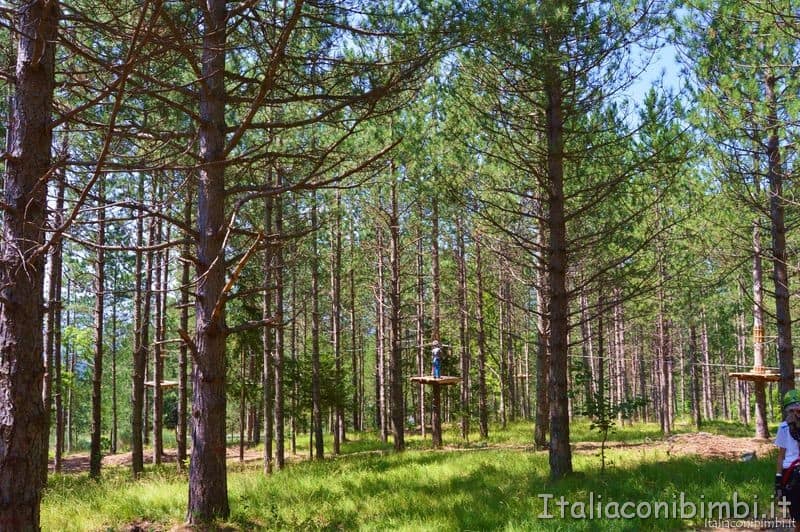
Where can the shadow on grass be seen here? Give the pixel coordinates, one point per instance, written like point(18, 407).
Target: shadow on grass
point(499, 490)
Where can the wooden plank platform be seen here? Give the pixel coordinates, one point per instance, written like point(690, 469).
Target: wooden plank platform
point(759, 375)
point(755, 377)
point(164, 384)
point(444, 380)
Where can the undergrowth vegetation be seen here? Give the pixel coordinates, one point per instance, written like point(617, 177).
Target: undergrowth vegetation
point(500, 484)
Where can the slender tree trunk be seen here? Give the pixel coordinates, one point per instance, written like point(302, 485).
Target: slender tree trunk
point(139, 348)
point(502, 339)
point(380, 340)
point(356, 367)
point(23, 418)
point(436, 273)
point(208, 487)
point(420, 327)
point(619, 351)
point(158, 358)
point(336, 322)
point(146, 311)
point(463, 328)
point(695, 378)
point(396, 361)
point(508, 349)
point(114, 400)
point(242, 401)
point(295, 366)
point(316, 377)
point(483, 407)
point(99, 315)
point(560, 451)
point(183, 353)
point(762, 428)
point(708, 407)
point(587, 347)
point(780, 265)
point(278, 406)
point(268, 336)
point(70, 361)
point(57, 272)
point(542, 417)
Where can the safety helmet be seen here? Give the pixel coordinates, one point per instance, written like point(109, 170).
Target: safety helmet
point(792, 396)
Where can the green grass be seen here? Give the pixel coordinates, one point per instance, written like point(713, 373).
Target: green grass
point(479, 488)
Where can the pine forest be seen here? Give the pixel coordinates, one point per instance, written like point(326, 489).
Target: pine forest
point(393, 264)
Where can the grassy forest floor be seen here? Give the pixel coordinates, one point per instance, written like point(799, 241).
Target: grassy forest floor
point(500, 484)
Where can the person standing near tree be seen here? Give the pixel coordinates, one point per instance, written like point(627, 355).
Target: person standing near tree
point(436, 351)
point(787, 475)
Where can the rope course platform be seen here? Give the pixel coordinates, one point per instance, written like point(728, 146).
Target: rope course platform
point(759, 374)
point(436, 412)
point(164, 384)
point(444, 380)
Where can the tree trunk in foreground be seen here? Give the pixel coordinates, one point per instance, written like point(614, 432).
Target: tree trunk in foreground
point(208, 484)
point(560, 452)
point(23, 419)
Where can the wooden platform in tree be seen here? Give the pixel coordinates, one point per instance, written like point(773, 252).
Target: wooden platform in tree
point(444, 380)
point(759, 374)
point(164, 384)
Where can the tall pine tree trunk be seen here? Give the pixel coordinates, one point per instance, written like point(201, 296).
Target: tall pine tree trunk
point(208, 485)
point(158, 359)
point(420, 327)
point(278, 274)
point(396, 359)
point(483, 406)
point(560, 451)
point(183, 353)
point(356, 368)
point(268, 336)
point(23, 418)
point(780, 267)
point(336, 322)
point(99, 315)
point(57, 273)
point(380, 346)
point(316, 376)
point(137, 375)
point(759, 389)
point(463, 328)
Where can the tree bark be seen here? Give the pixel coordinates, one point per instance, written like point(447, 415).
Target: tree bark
point(316, 377)
point(396, 366)
point(780, 268)
point(23, 418)
point(420, 327)
point(463, 328)
point(99, 315)
point(708, 407)
point(268, 336)
point(158, 359)
point(380, 346)
point(114, 399)
point(695, 378)
point(560, 453)
point(280, 447)
point(58, 306)
point(357, 369)
point(336, 322)
point(139, 349)
point(208, 486)
point(762, 428)
point(183, 353)
point(483, 407)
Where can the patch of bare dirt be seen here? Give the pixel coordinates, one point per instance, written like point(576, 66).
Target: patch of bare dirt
point(717, 446)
